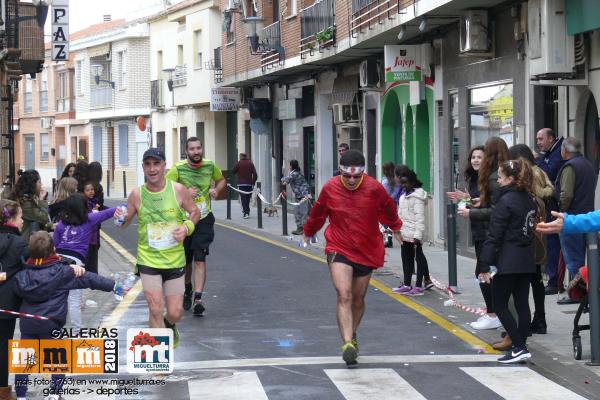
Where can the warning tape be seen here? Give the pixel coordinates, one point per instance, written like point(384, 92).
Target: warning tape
point(452, 302)
point(262, 198)
point(18, 314)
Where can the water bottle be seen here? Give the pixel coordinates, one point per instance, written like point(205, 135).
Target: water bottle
point(121, 220)
point(129, 281)
point(493, 271)
point(118, 291)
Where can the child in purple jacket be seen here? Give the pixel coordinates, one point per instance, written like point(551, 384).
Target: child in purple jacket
point(72, 237)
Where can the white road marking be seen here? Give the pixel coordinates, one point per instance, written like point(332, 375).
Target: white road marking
point(380, 384)
point(261, 362)
point(520, 383)
point(238, 386)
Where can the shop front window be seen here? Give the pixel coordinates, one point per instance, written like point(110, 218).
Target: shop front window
point(491, 113)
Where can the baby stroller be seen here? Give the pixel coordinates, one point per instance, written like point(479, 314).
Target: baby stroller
point(578, 289)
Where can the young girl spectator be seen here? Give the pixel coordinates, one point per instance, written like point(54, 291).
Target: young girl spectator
point(399, 171)
point(509, 246)
point(68, 171)
point(44, 284)
point(66, 187)
point(95, 176)
point(31, 196)
point(91, 261)
point(72, 239)
point(81, 174)
point(411, 210)
point(495, 152)
point(12, 250)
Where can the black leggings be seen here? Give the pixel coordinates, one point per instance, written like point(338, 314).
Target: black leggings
point(516, 285)
point(538, 291)
point(7, 330)
point(407, 251)
point(486, 288)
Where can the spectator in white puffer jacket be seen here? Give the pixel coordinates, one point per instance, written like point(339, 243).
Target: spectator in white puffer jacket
point(411, 210)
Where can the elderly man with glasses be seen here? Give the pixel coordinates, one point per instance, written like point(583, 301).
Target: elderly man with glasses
point(355, 204)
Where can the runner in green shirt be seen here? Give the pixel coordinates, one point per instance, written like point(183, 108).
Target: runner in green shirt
point(162, 227)
point(197, 174)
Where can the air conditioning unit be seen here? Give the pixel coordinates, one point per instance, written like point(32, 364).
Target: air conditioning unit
point(46, 123)
point(474, 32)
point(551, 51)
point(369, 74)
point(345, 113)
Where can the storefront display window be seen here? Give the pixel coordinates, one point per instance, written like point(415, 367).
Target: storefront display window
point(491, 113)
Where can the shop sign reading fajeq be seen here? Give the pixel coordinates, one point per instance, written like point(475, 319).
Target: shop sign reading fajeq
point(402, 63)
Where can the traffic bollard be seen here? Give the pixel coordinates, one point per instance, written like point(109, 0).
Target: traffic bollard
point(53, 186)
point(259, 207)
point(124, 185)
point(451, 241)
point(107, 183)
point(284, 213)
point(229, 190)
point(594, 296)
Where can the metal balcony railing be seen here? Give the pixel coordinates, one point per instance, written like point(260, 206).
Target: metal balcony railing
point(271, 41)
point(367, 13)
point(180, 75)
point(156, 96)
point(272, 35)
point(101, 97)
point(316, 20)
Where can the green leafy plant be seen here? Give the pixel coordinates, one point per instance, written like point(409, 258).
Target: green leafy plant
point(310, 45)
point(325, 35)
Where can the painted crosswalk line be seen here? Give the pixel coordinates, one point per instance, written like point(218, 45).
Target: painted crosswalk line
point(239, 385)
point(520, 383)
point(380, 384)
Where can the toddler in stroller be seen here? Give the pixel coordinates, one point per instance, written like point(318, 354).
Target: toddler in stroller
point(578, 289)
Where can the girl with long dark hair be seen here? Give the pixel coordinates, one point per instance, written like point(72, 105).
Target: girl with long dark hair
point(31, 196)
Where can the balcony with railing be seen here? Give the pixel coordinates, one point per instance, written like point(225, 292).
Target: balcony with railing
point(317, 27)
point(156, 94)
point(180, 75)
point(271, 41)
point(368, 13)
point(101, 97)
point(215, 65)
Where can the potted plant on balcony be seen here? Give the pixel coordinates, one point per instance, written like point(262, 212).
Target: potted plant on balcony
point(324, 36)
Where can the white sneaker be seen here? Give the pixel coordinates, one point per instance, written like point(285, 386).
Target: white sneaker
point(480, 319)
point(486, 322)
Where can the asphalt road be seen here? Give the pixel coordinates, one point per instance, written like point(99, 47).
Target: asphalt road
point(269, 331)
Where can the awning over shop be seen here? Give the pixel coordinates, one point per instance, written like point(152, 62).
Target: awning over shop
point(582, 16)
point(78, 130)
point(344, 89)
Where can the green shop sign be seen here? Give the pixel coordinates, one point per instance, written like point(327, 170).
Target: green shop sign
point(402, 76)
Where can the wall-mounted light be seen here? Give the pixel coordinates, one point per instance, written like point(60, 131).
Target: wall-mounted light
point(169, 73)
point(254, 25)
point(97, 72)
point(423, 25)
point(402, 32)
point(42, 10)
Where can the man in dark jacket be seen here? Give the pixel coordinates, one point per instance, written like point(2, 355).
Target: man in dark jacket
point(550, 161)
point(44, 286)
point(246, 178)
point(575, 190)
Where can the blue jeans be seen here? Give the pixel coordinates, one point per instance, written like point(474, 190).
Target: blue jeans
point(552, 256)
point(21, 379)
point(573, 248)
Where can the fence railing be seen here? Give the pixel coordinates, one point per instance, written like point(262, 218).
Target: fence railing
point(368, 13)
point(317, 20)
point(180, 75)
point(100, 97)
point(272, 35)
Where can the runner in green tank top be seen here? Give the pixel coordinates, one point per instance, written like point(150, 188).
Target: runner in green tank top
point(162, 226)
point(197, 174)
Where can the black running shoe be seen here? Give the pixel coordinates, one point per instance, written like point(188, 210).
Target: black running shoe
point(515, 355)
point(176, 335)
point(187, 299)
point(349, 354)
point(198, 308)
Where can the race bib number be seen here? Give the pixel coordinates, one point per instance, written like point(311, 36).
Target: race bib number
point(202, 204)
point(160, 235)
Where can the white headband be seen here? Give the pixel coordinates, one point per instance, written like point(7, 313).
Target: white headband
point(352, 170)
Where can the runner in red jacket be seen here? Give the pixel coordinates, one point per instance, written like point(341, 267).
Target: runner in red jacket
point(355, 204)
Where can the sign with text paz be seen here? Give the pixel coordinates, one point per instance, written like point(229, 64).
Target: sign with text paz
point(60, 30)
point(225, 99)
point(402, 63)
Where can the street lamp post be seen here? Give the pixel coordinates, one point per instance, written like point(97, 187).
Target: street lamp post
point(97, 72)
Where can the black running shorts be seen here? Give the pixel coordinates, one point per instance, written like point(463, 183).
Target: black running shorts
point(358, 270)
point(196, 246)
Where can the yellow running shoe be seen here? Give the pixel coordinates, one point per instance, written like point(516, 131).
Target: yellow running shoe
point(349, 354)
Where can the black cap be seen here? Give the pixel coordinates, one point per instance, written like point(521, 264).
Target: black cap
point(154, 152)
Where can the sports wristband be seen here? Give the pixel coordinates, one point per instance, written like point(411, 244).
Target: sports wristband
point(190, 227)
